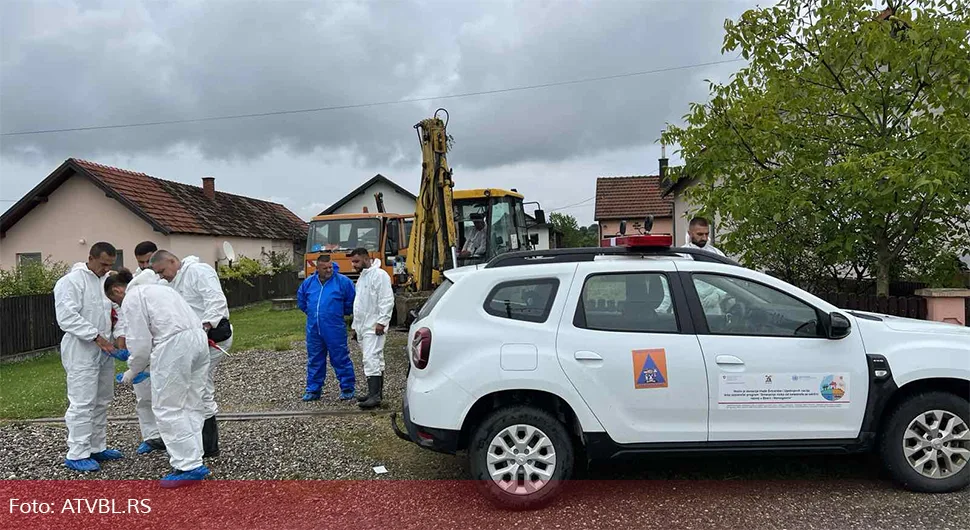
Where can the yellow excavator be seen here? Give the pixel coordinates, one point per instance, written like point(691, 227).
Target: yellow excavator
point(455, 228)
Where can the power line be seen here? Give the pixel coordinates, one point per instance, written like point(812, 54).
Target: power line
point(572, 205)
point(374, 104)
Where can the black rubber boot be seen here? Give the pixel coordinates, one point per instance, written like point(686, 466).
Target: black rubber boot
point(365, 396)
point(375, 387)
point(210, 438)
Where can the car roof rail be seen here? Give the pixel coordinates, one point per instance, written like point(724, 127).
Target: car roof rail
point(582, 254)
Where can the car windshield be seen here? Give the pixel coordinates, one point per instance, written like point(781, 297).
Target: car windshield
point(344, 234)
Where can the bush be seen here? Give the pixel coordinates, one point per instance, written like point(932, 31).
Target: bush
point(31, 278)
point(243, 269)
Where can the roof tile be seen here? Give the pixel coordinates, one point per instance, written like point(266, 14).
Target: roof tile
point(631, 198)
point(183, 208)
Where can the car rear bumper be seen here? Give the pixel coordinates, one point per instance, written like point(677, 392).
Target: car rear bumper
point(438, 440)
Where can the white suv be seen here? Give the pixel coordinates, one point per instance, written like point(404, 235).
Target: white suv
point(540, 361)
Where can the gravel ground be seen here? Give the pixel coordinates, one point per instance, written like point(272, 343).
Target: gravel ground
point(345, 447)
point(253, 381)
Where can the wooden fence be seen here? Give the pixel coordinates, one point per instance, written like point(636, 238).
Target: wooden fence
point(901, 306)
point(28, 323)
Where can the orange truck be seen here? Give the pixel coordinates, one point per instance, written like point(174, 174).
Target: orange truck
point(384, 235)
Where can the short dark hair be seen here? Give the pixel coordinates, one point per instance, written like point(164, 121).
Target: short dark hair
point(160, 255)
point(122, 277)
point(102, 247)
point(323, 258)
point(145, 247)
point(698, 221)
point(359, 251)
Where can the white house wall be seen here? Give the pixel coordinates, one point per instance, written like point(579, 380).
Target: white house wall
point(394, 202)
point(76, 215)
point(209, 248)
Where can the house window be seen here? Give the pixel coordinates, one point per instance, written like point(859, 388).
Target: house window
point(28, 257)
point(119, 260)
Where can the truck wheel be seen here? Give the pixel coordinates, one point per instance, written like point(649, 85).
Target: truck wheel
point(520, 457)
point(926, 443)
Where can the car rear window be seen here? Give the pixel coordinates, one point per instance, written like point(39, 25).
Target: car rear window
point(435, 298)
point(528, 300)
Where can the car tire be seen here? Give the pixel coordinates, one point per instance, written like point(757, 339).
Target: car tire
point(937, 409)
point(514, 423)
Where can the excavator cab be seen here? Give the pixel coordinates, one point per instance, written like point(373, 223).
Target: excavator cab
point(489, 222)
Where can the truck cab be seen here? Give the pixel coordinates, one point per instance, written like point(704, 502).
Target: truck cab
point(384, 235)
point(489, 222)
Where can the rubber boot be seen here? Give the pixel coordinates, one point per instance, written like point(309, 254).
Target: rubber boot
point(375, 387)
point(364, 397)
point(210, 438)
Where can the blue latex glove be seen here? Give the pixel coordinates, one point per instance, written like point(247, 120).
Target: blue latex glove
point(121, 355)
point(138, 378)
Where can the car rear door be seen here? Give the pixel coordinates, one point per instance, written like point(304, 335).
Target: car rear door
point(626, 344)
point(773, 373)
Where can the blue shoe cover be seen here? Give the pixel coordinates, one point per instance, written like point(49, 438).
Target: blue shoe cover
point(145, 448)
point(83, 464)
point(348, 394)
point(311, 396)
point(184, 478)
point(107, 454)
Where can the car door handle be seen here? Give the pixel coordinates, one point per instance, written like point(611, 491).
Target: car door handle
point(727, 359)
point(587, 356)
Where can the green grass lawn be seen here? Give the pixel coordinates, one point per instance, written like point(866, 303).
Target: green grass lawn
point(36, 388)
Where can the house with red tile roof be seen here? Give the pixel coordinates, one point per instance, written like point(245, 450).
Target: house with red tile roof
point(81, 203)
point(631, 199)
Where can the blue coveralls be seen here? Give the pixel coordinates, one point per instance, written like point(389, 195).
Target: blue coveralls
point(325, 305)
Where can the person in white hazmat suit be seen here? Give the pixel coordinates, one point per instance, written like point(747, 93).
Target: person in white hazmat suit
point(373, 306)
point(84, 315)
point(164, 332)
point(151, 439)
point(199, 285)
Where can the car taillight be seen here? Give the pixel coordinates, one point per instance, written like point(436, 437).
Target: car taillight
point(421, 348)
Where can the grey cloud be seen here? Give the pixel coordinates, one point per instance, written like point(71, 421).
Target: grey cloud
point(68, 65)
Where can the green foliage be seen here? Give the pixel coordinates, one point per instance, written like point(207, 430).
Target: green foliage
point(574, 235)
point(31, 278)
point(279, 262)
point(244, 269)
point(843, 148)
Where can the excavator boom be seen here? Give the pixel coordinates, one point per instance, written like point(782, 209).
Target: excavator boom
point(433, 238)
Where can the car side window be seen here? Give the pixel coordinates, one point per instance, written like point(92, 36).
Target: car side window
point(527, 300)
point(630, 302)
point(735, 306)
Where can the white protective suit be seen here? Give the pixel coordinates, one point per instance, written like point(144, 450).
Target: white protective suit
point(164, 332)
point(475, 242)
point(199, 285)
point(710, 296)
point(373, 305)
point(84, 313)
point(143, 390)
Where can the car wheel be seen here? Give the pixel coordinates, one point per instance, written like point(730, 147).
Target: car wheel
point(926, 443)
point(520, 457)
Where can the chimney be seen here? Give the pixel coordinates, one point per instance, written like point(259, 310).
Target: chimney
point(209, 187)
point(663, 162)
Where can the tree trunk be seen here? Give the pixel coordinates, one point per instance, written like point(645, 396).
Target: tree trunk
point(884, 262)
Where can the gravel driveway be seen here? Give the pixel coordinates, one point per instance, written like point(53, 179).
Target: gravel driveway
point(253, 381)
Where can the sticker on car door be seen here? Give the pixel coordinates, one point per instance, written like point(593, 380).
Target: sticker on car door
point(650, 368)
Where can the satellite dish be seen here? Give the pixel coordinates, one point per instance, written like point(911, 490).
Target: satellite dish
point(229, 252)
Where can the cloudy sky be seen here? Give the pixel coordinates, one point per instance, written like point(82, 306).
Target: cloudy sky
point(69, 64)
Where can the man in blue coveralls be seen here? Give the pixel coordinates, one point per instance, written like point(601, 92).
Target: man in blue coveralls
point(326, 297)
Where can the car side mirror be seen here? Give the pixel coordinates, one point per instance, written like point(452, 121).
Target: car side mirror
point(622, 228)
point(837, 326)
point(540, 217)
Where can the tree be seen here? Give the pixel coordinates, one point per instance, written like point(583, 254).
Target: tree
point(32, 277)
point(573, 235)
point(844, 145)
